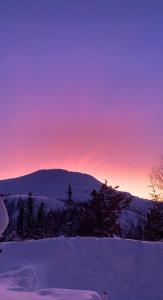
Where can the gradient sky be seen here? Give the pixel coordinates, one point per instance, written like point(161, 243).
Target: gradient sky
point(81, 88)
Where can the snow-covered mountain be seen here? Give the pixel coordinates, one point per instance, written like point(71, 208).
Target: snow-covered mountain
point(51, 183)
point(43, 269)
point(50, 187)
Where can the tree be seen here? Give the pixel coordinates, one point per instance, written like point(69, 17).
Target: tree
point(68, 229)
point(51, 223)
point(153, 229)
point(157, 175)
point(20, 226)
point(155, 196)
point(29, 228)
point(99, 217)
point(40, 223)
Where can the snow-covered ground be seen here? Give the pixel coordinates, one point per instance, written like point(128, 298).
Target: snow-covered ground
point(47, 294)
point(125, 269)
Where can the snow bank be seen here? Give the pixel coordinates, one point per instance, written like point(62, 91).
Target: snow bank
point(48, 294)
point(125, 269)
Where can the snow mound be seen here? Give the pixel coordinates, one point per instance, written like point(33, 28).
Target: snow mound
point(125, 269)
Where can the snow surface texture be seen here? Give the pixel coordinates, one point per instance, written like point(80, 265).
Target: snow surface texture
point(127, 270)
point(4, 219)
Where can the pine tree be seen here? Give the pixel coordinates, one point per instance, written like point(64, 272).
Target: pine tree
point(153, 229)
point(40, 223)
point(50, 223)
point(20, 226)
point(29, 228)
point(68, 229)
point(99, 217)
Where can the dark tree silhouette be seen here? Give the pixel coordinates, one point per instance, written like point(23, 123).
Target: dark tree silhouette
point(99, 217)
point(29, 230)
point(20, 223)
point(68, 229)
point(40, 222)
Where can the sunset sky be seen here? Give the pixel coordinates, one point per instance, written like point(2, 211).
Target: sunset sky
point(81, 88)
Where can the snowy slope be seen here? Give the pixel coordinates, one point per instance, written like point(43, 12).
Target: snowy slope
point(51, 183)
point(127, 270)
point(50, 186)
point(13, 200)
point(136, 210)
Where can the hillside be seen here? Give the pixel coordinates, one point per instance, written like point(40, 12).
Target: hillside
point(136, 211)
point(50, 187)
point(125, 269)
point(51, 183)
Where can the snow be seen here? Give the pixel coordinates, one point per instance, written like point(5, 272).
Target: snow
point(50, 187)
point(48, 294)
point(125, 269)
point(52, 183)
point(136, 210)
point(50, 202)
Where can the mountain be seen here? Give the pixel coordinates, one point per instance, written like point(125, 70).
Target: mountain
point(51, 183)
point(51, 186)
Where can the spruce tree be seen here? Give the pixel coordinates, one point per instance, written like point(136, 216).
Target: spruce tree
point(99, 217)
point(50, 223)
point(40, 222)
point(153, 230)
point(20, 222)
point(29, 218)
point(68, 221)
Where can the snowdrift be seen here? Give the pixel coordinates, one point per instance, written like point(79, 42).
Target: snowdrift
point(125, 269)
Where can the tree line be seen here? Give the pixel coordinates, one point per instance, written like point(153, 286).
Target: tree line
point(97, 217)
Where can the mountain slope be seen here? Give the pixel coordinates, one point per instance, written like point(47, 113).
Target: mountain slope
point(51, 183)
point(50, 186)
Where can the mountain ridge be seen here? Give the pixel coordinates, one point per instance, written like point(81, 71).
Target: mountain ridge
point(51, 183)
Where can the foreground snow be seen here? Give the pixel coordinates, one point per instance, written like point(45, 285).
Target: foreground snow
point(125, 269)
point(47, 294)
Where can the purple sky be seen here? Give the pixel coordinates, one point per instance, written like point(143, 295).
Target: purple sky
point(81, 85)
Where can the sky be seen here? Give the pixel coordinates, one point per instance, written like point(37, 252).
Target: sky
point(81, 88)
